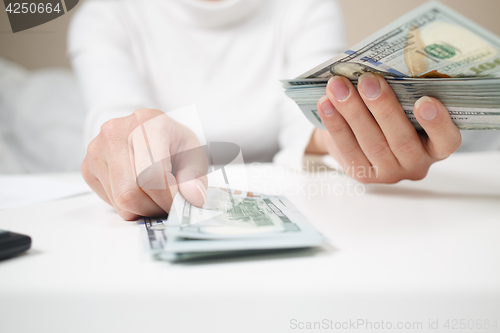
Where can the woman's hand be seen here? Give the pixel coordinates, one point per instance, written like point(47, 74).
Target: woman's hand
point(371, 137)
point(139, 162)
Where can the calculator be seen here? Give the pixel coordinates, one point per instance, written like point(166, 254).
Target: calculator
point(12, 243)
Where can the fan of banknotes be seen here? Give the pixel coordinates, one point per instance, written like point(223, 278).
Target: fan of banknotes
point(230, 223)
point(431, 51)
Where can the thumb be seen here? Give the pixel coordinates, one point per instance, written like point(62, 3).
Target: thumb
point(190, 169)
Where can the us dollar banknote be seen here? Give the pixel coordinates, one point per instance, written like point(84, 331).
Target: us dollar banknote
point(430, 41)
point(230, 223)
point(431, 51)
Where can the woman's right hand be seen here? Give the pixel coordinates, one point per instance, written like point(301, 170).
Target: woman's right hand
point(135, 164)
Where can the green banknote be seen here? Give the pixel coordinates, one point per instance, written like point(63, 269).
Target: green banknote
point(430, 41)
point(231, 222)
point(431, 51)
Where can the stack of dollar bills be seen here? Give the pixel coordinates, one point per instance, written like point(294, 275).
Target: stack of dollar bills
point(431, 51)
point(229, 223)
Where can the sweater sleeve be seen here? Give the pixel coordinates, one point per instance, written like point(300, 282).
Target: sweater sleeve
point(102, 60)
point(314, 32)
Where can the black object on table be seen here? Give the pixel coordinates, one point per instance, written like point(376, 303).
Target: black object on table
point(12, 244)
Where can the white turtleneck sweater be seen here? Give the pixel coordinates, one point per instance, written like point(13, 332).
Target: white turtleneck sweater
point(226, 57)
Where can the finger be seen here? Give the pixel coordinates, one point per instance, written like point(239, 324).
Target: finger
point(330, 146)
point(121, 183)
point(189, 164)
point(345, 144)
point(444, 138)
point(349, 104)
point(103, 189)
point(124, 214)
point(127, 198)
point(349, 170)
point(95, 172)
point(150, 142)
point(93, 182)
point(191, 167)
point(159, 184)
point(400, 134)
point(97, 187)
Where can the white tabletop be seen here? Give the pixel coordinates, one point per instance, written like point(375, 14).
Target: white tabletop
point(407, 254)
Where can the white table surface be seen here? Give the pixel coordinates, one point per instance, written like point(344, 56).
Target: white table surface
point(414, 252)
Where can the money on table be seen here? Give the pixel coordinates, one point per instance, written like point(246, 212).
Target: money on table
point(231, 222)
point(431, 51)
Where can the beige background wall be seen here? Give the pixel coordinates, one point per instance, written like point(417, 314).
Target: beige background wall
point(45, 45)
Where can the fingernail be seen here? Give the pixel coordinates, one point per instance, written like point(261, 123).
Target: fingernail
point(327, 107)
point(338, 88)
point(369, 85)
point(202, 189)
point(426, 108)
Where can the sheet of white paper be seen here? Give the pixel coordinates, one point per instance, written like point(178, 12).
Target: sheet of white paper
point(24, 190)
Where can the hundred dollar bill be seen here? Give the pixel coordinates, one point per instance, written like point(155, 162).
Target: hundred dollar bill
point(155, 239)
point(473, 103)
point(230, 214)
point(430, 41)
point(230, 223)
point(431, 51)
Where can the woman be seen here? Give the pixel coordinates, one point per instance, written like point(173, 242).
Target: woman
point(226, 57)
